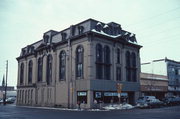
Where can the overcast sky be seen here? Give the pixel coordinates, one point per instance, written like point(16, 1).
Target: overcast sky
point(156, 24)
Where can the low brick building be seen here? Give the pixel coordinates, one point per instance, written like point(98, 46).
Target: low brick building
point(154, 85)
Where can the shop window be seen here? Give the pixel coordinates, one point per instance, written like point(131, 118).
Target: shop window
point(82, 97)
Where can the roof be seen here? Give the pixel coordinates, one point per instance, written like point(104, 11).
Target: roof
point(111, 30)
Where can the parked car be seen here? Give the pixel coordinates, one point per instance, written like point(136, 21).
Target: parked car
point(148, 102)
point(10, 100)
point(1, 101)
point(170, 101)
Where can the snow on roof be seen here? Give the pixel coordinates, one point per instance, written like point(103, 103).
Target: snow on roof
point(132, 35)
point(132, 42)
point(113, 36)
point(126, 33)
point(106, 26)
point(101, 32)
point(99, 23)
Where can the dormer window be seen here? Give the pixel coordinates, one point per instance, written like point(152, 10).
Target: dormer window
point(23, 52)
point(63, 35)
point(72, 30)
point(46, 38)
point(80, 29)
point(98, 27)
point(106, 29)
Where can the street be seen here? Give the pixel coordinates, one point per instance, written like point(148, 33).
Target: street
point(15, 112)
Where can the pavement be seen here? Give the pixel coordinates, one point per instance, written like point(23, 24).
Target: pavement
point(18, 112)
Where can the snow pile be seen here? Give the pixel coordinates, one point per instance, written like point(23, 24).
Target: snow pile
point(118, 106)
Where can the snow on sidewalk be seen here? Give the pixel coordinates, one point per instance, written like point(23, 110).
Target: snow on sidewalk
point(118, 106)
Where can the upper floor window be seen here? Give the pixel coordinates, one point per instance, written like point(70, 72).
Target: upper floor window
point(134, 71)
point(128, 59)
point(62, 65)
point(118, 56)
point(79, 61)
point(30, 68)
point(128, 69)
point(106, 55)
point(49, 70)
point(22, 73)
point(40, 69)
point(107, 66)
point(99, 53)
point(99, 61)
point(118, 73)
point(133, 57)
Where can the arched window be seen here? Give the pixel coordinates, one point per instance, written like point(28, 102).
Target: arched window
point(79, 61)
point(134, 74)
point(40, 69)
point(99, 53)
point(22, 73)
point(118, 56)
point(128, 69)
point(62, 65)
point(107, 65)
point(30, 66)
point(99, 61)
point(49, 69)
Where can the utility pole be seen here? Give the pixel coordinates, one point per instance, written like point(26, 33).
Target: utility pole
point(6, 83)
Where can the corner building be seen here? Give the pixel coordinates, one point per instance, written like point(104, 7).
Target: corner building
point(82, 63)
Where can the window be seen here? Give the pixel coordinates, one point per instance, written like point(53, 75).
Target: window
point(99, 62)
point(63, 35)
point(134, 74)
point(62, 65)
point(118, 56)
point(128, 69)
point(80, 29)
point(40, 69)
point(98, 27)
point(107, 65)
point(118, 73)
point(49, 70)
point(82, 97)
point(30, 66)
point(79, 61)
point(22, 73)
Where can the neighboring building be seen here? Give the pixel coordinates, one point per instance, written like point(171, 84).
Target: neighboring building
point(166, 67)
point(82, 63)
point(9, 88)
point(154, 85)
point(10, 91)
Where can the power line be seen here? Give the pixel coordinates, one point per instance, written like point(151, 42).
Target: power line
point(157, 24)
point(154, 17)
point(150, 34)
point(162, 41)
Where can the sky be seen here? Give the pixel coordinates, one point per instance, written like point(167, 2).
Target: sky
point(156, 24)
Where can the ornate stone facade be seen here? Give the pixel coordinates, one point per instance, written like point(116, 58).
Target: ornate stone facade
point(82, 63)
